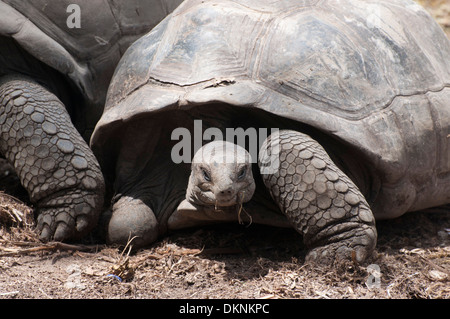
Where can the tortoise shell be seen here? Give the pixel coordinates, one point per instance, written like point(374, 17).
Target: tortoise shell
point(372, 75)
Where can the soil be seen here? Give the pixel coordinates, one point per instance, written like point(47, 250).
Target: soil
point(412, 259)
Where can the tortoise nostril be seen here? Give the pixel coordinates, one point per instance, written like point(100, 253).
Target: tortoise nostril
point(225, 193)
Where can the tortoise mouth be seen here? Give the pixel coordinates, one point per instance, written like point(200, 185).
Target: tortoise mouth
point(209, 199)
point(227, 202)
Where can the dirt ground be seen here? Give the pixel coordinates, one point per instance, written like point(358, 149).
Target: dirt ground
point(412, 259)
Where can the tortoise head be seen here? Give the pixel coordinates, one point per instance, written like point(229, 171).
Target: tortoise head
point(221, 175)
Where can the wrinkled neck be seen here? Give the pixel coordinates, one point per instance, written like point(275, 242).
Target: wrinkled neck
point(191, 195)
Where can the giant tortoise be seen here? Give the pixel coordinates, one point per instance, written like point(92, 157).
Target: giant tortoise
point(56, 61)
point(346, 102)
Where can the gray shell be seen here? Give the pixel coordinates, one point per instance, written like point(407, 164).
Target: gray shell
point(373, 74)
point(88, 55)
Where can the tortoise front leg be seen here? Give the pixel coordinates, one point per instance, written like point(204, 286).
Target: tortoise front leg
point(320, 201)
point(53, 162)
point(131, 220)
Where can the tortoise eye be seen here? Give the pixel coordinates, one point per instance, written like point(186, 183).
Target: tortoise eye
point(206, 175)
point(242, 172)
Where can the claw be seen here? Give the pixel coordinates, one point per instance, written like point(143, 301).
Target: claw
point(45, 233)
point(62, 232)
point(82, 223)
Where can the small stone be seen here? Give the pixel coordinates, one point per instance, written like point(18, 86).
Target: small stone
point(190, 278)
point(437, 275)
point(217, 268)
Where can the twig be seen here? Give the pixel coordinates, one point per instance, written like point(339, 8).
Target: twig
point(47, 247)
point(19, 243)
point(122, 270)
point(13, 211)
point(271, 296)
point(241, 208)
point(222, 251)
point(432, 264)
point(9, 293)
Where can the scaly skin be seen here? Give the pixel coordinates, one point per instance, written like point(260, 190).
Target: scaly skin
point(53, 162)
point(320, 201)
